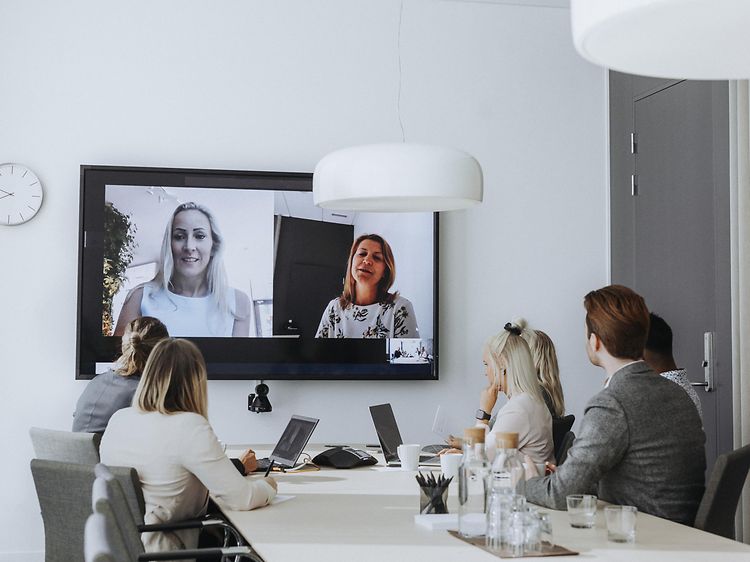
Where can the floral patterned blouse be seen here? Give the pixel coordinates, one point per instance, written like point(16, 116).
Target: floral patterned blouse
point(380, 320)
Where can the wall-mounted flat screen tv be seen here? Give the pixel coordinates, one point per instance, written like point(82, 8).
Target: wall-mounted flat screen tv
point(265, 283)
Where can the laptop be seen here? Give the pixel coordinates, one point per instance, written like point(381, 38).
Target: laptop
point(390, 438)
point(291, 444)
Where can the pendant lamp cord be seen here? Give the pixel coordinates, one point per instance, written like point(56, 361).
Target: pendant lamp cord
point(398, 50)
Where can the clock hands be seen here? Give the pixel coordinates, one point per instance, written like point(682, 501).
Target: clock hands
point(6, 192)
point(4, 196)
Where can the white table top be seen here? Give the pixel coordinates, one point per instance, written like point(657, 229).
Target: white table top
point(367, 514)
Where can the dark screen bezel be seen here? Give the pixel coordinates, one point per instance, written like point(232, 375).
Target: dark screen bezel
point(290, 359)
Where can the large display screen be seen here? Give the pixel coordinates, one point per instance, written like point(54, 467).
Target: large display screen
point(243, 264)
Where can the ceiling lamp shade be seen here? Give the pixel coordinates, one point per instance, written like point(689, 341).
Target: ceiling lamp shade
point(694, 39)
point(397, 177)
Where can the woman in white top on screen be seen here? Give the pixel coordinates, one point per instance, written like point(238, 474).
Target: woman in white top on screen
point(365, 308)
point(509, 369)
point(190, 293)
point(166, 437)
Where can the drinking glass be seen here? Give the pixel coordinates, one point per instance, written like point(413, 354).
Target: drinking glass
point(620, 522)
point(582, 510)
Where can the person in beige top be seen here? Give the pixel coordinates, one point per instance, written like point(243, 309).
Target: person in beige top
point(509, 369)
point(166, 437)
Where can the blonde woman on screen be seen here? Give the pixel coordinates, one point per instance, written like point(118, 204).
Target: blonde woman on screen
point(545, 363)
point(366, 308)
point(166, 436)
point(190, 292)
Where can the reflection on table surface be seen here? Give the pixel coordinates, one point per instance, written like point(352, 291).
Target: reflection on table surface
point(367, 514)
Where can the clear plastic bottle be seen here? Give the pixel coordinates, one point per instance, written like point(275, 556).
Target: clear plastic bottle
point(507, 495)
point(473, 476)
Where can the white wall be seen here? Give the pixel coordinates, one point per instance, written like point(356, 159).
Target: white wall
point(275, 85)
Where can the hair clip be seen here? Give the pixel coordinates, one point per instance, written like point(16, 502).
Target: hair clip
point(512, 328)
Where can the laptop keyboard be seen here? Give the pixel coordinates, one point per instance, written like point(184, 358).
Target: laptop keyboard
point(263, 464)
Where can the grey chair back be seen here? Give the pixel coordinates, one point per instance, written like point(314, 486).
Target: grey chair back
point(102, 541)
point(718, 507)
point(108, 498)
point(565, 444)
point(560, 428)
point(65, 446)
point(64, 492)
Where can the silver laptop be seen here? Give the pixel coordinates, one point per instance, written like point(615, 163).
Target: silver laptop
point(290, 445)
point(390, 438)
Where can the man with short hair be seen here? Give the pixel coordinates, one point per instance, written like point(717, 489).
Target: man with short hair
point(658, 355)
point(641, 441)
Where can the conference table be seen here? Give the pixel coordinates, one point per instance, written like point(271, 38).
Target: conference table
point(367, 514)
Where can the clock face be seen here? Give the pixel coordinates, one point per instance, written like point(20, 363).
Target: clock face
point(20, 194)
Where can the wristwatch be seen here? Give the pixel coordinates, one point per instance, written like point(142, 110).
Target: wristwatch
point(482, 415)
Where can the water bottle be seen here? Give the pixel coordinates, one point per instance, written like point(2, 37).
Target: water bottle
point(507, 488)
point(472, 485)
point(507, 472)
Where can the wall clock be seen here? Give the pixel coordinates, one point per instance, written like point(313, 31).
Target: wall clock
point(20, 194)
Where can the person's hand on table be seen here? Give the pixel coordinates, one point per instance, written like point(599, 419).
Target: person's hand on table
point(249, 461)
point(270, 481)
point(531, 470)
point(449, 451)
point(454, 442)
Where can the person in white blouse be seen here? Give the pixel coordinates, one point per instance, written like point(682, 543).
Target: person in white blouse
point(166, 437)
point(190, 293)
point(365, 308)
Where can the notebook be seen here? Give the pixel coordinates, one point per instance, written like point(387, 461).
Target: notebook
point(390, 438)
point(290, 445)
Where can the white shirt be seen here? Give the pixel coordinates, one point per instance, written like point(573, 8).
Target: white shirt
point(379, 320)
point(189, 316)
point(532, 421)
point(179, 460)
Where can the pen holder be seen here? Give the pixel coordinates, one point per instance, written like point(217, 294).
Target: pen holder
point(433, 500)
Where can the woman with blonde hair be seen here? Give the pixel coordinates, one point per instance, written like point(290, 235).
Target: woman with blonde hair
point(509, 369)
point(366, 308)
point(545, 363)
point(166, 436)
point(114, 389)
point(190, 292)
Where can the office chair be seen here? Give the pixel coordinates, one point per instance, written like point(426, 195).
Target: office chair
point(111, 534)
point(565, 444)
point(718, 507)
point(65, 446)
point(560, 427)
point(64, 492)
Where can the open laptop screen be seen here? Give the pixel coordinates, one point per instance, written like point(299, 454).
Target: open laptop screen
point(387, 430)
point(293, 441)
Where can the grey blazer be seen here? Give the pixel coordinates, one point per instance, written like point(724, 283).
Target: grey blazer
point(641, 443)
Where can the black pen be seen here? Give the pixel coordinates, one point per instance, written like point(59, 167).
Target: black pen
point(268, 470)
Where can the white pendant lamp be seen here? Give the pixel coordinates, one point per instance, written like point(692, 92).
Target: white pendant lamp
point(694, 39)
point(397, 177)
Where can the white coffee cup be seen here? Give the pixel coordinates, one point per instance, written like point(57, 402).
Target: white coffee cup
point(409, 456)
point(449, 463)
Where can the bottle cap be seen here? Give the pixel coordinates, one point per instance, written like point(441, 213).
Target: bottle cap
point(506, 440)
point(473, 435)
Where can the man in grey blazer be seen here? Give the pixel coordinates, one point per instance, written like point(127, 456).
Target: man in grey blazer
point(641, 439)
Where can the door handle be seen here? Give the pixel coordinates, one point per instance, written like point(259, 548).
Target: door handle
point(707, 363)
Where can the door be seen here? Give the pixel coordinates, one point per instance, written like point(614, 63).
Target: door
point(676, 251)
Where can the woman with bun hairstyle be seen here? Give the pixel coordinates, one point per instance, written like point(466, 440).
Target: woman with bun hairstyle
point(114, 389)
point(365, 308)
point(547, 370)
point(509, 369)
point(167, 438)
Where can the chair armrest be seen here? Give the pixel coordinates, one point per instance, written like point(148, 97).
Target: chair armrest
point(229, 530)
point(238, 552)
